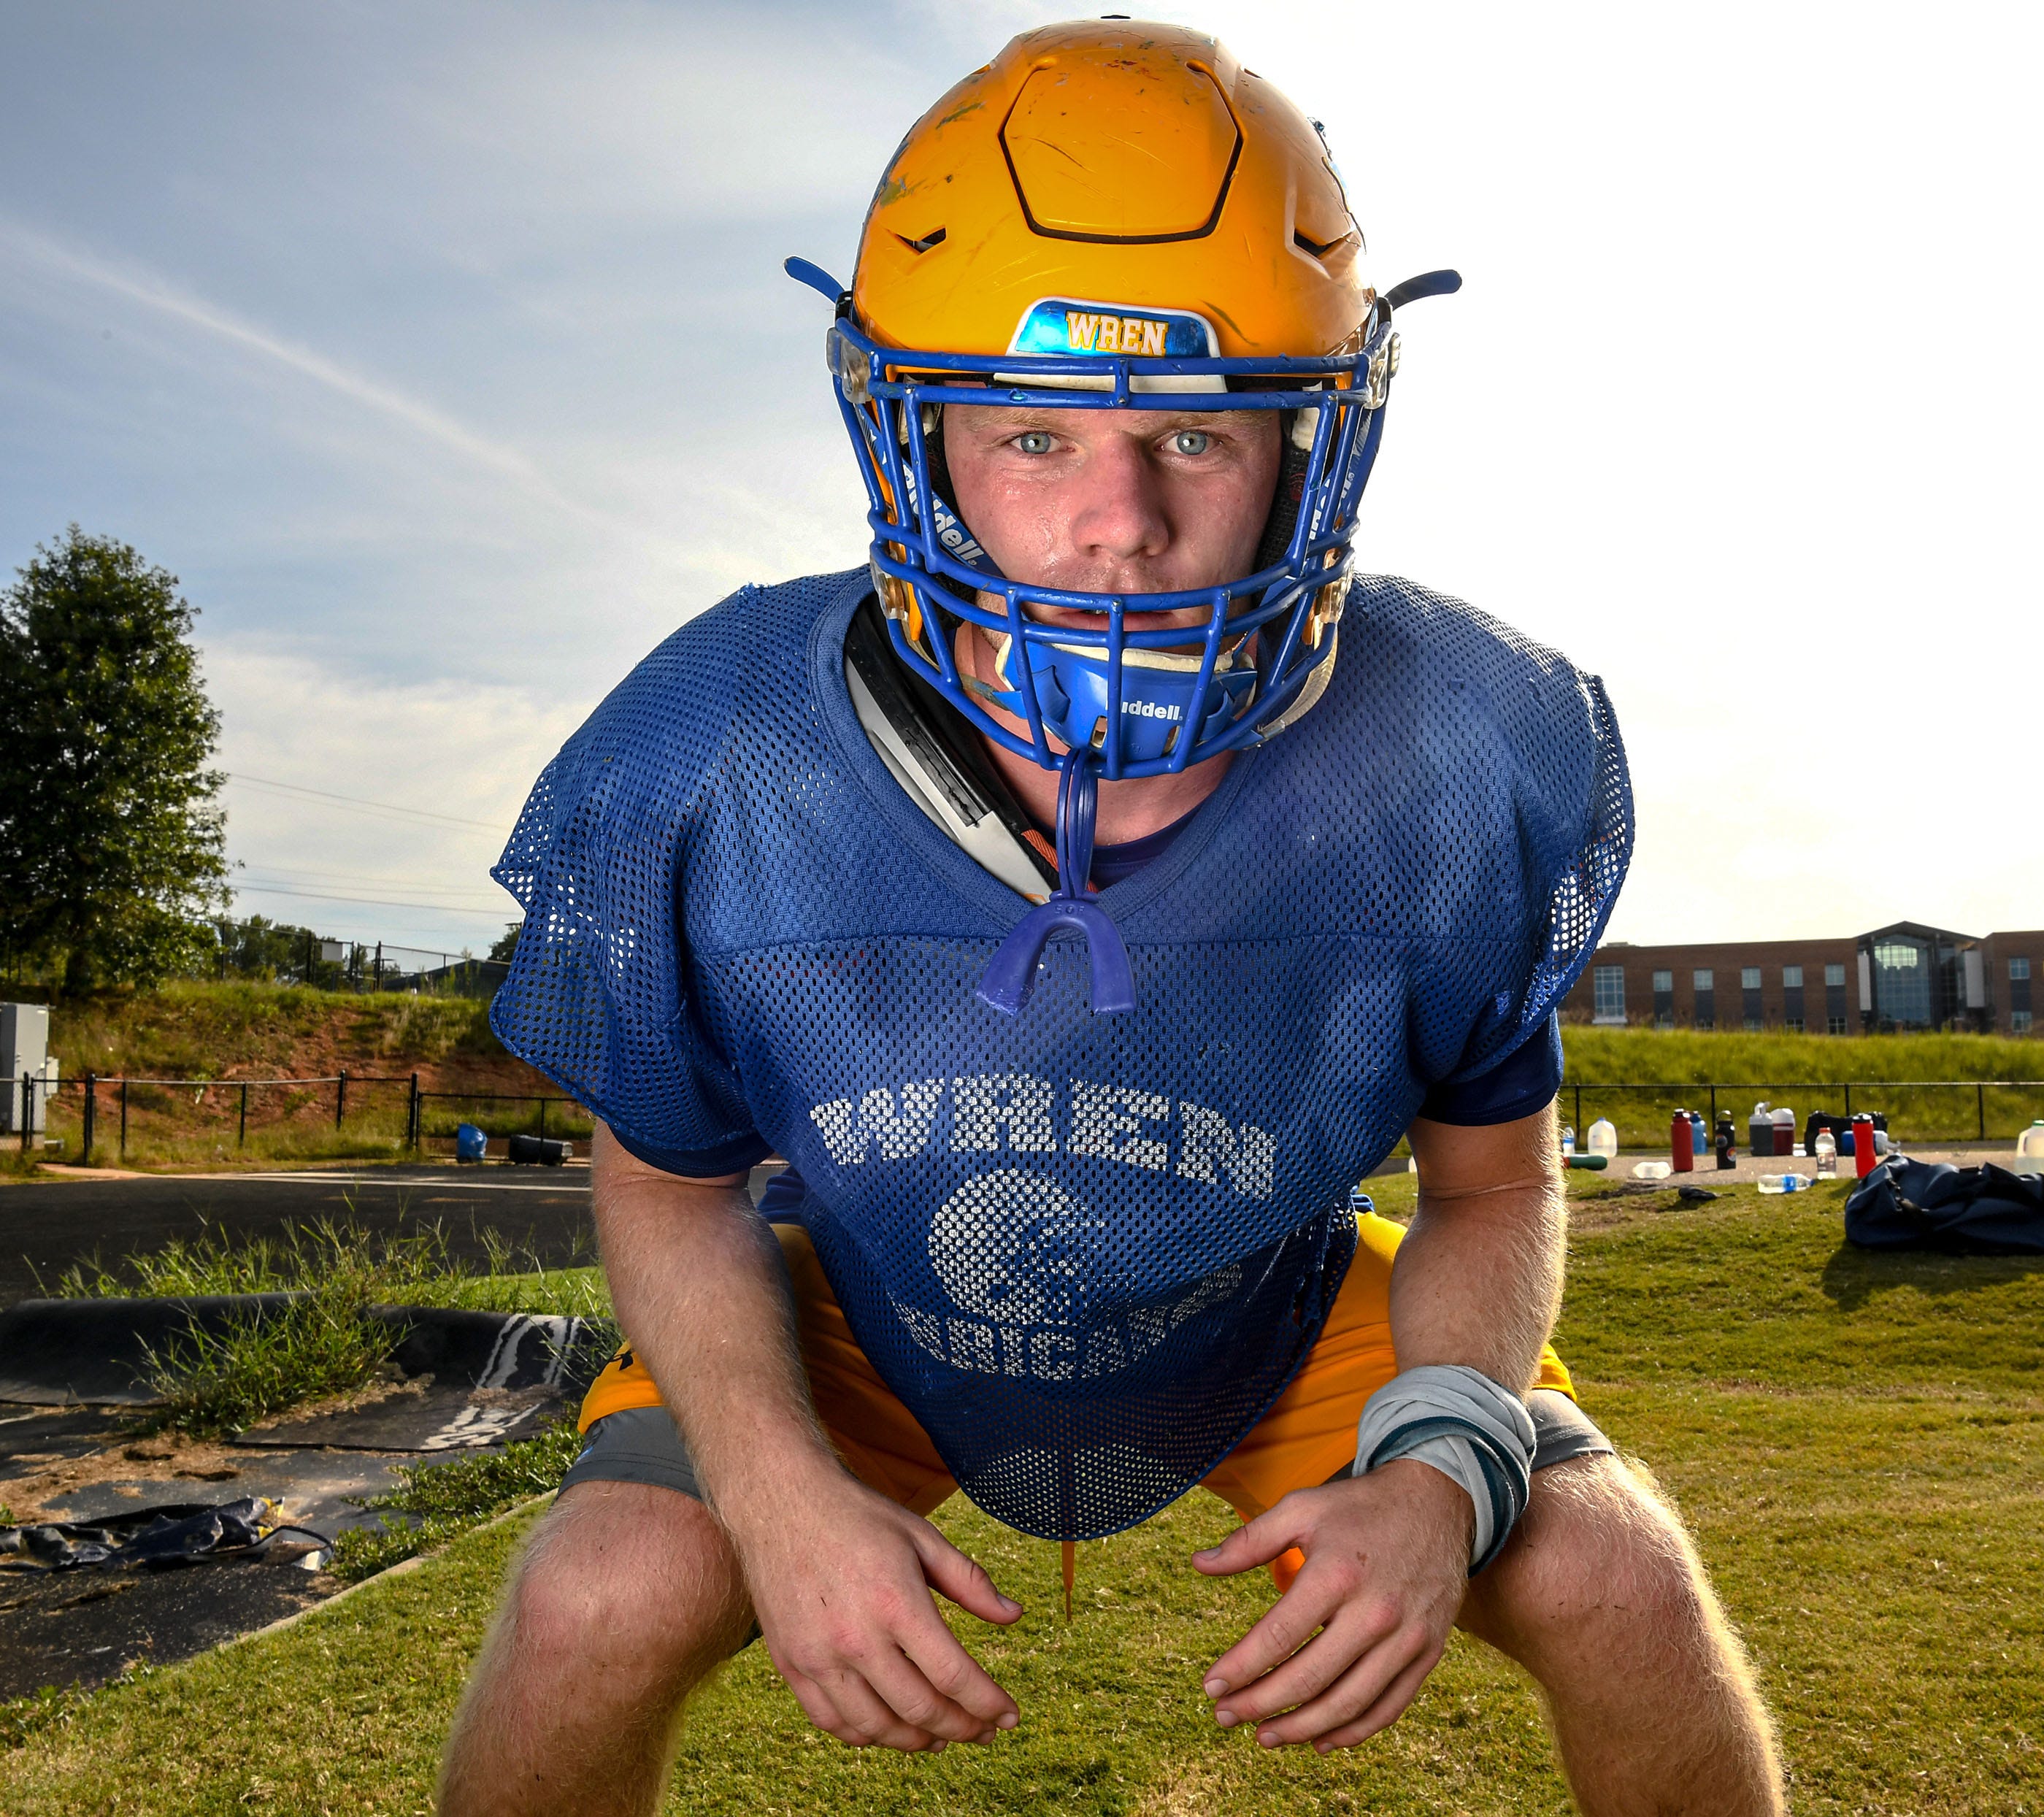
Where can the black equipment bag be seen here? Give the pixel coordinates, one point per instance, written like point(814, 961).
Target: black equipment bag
point(1967, 1210)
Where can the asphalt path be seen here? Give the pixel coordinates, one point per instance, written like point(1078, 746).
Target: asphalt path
point(46, 1226)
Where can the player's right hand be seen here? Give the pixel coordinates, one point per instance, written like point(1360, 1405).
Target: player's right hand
point(843, 1597)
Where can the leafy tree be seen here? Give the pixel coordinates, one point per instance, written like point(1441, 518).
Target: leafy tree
point(111, 844)
point(504, 948)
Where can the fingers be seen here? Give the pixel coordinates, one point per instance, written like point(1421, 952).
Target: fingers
point(1349, 1636)
point(1370, 1695)
point(961, 1578)
point(1391, 1703)
point(1255, 1542)
point(885, 1668)
point(1286, 1627)
point(842, 1703)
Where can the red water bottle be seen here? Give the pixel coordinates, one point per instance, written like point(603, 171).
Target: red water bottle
point(1862, 1134)
point(1682, 1144)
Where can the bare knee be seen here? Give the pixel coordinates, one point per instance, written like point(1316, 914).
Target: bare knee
point(624, 1586)
point(1599, 1555)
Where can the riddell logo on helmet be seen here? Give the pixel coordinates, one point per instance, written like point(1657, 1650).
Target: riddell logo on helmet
point(1150, 709)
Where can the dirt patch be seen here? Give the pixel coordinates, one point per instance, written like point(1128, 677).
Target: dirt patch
point(131, 1462)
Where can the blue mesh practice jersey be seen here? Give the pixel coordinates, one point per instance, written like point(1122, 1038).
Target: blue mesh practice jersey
point(1086, 1251)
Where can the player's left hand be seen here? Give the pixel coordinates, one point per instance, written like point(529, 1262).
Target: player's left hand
point(1387, 1566)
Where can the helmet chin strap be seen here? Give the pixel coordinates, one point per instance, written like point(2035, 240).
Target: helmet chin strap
point(1011, 975)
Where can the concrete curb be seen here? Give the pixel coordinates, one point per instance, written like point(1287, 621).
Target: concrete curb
point(401, 1568)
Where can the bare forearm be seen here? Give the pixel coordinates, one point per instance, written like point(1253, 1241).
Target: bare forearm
point(1479, 1277)
point(696, 1279)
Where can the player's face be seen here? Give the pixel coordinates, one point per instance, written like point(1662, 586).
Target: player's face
point(1123, 502)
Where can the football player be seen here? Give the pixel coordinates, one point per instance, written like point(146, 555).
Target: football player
point(1080, 898)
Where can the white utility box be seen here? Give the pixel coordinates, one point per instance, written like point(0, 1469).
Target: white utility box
point(25, 1042)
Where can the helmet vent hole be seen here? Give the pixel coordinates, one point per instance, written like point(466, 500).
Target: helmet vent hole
point(923, 244)
point(1312, 248)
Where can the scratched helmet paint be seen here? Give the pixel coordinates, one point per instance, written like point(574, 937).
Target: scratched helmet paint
point(1116, 215)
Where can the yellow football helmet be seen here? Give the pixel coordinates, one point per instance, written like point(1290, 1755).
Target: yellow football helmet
point(1116, 215)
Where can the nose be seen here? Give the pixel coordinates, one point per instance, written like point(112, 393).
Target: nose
point(1121, 516)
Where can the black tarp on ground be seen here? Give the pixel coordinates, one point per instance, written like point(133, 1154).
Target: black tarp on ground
point(1964, 1211)
point(95, 1352)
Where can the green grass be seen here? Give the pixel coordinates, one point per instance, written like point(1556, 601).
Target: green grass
point(1857, 1441)
point(442, 1501)
point(196, 1030)
point(202, 1032)
point(1805, 1071)
point(218, 1382)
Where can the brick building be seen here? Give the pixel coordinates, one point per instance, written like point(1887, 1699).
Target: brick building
point(1903, 977)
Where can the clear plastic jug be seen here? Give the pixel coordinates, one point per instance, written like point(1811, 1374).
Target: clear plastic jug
point(1603, 1138)
point(2030, 1150)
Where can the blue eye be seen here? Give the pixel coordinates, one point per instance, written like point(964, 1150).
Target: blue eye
point(1191, 441)
point(1034, 441)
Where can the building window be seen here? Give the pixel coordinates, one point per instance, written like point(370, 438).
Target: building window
point(1792, 1023)
point(1749, 992)
point(1902, 983)
point(1792, 998)
point(1835, 1024)
point(1834, 975)
point(1749, 978)
point(1664, 999)
point(1704, 981)
point(1665, 980)
point(1608, 989)
point(1791, 977)
point(2018, 1021)
point(2019, 968)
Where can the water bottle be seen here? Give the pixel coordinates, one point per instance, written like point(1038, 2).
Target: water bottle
point(1568, 1139)
point(2030, 1150)
point(1604, 1138)
point(1682, 1144)
point(1783, 1183)
point(1827, 1155)
point(1702, 1138)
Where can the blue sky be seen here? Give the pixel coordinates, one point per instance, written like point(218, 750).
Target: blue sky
point(442, 351)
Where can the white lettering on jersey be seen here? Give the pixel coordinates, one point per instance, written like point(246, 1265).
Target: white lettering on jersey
point(991, 1112)
point(985, 1103)
point(1249, 1158)
point(1107, 1120)
point(848, 1134)
point(1047, 1296)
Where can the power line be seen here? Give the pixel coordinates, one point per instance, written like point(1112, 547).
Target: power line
point(356, 804)
point(260, 874)
point(371, 901)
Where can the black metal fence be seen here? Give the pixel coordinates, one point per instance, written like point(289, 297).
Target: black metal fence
point(104, 1104)
point(1918, 1110)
